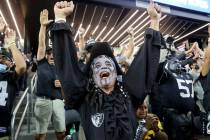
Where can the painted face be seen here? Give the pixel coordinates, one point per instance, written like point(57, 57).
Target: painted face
point(104, 71)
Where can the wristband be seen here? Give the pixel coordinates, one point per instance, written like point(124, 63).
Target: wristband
point(59, 20)
point(208, 39)
point(9, 44)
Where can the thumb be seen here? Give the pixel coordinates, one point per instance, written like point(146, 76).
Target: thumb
point(49, 21)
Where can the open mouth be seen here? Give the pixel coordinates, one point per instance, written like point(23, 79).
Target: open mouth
point(104, 74)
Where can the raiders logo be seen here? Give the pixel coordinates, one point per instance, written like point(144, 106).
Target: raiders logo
point(97, 119)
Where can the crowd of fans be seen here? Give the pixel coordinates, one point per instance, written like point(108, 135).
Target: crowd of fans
point(88, 93)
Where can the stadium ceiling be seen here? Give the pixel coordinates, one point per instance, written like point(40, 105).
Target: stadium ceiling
point(104, 22)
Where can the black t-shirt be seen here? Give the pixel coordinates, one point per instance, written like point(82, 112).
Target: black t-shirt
point(8, 89)
point(45, 82)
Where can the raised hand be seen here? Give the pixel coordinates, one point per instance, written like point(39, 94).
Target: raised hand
point(130, 31)
point(10, 38)
point(154, 11)
point(44, 18)
point(2, 24)
point(81, 31)
point(63, 9)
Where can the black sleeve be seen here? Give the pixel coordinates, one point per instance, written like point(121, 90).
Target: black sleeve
point(142, 73)
point(72, 79)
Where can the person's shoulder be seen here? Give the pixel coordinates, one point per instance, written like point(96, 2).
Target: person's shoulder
point(10, 76)
point(44, 60)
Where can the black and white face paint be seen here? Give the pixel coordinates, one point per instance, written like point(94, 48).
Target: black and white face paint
point(104, 71)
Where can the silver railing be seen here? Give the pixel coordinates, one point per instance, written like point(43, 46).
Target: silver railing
point(31, 105)
point(27, 109)
point(15, 133)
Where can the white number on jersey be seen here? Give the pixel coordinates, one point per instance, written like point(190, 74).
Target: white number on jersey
point(3, 93)
point(185, 87)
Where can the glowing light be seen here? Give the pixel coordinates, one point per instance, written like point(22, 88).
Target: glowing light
point(3, 17)
point(123, 25)
point(13, 17)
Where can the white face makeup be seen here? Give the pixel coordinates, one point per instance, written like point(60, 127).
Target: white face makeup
point(104, 71)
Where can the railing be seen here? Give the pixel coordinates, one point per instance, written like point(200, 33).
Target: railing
point(31, 108)
point(28, 108)
point(31, 105)
point(14, 134)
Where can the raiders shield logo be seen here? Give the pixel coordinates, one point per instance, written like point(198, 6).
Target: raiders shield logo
point(97, 119)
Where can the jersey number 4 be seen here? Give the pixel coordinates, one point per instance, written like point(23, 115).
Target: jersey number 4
point(186, 88)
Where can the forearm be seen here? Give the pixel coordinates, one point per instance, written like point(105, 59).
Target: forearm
point(127, 51)
point(206, 64)
point(81, 43)
point(42, 45)
point(19, 60)
point(155, 24)
point(205, 67)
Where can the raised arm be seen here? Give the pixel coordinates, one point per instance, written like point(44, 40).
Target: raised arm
point(42, 34)
point(127, 51)
point(10, 44)
point(73, 81)
point(81, 39)
point(81, 44)
point(141, 75)
point(206, 64)
point(154, 11)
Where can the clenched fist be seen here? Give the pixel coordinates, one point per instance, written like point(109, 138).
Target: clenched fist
point(131, 31)
point(63, 9)
point(154, 11)
point(57, 83)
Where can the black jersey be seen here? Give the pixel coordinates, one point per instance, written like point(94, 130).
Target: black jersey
point(8, 89)
point(174, 90)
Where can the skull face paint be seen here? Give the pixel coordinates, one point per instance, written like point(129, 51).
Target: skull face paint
point(104, 71)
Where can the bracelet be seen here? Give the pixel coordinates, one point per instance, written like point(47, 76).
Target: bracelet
point(10, 44)
point(208, 39)
point(58, 20)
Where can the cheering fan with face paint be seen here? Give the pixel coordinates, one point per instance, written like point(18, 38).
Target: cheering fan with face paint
point(104, 72)
point(103, 95)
